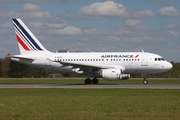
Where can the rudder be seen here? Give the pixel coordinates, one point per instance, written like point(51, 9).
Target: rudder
point(26, 40)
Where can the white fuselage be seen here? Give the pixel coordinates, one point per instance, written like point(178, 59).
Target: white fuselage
point(128, 62)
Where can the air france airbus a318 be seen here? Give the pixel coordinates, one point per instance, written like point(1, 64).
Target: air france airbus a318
point(108, 65)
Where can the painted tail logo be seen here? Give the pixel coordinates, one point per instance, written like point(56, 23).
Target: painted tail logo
point(25, 37)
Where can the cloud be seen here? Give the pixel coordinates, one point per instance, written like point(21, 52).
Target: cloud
point(108, 9)
point(31, 7)
point(169, 11)
point(29, 10)
point(172, 30)
point(171, 26)
point(36, 1)
point(69, 30)
point(56, 23)
point(146, 13)
point(96, 31)
point(158, 1)
point(4, 28)
point(99, 10)
point(161, 1)
point(133, 22)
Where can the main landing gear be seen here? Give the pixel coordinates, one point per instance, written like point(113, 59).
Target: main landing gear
point(145, 81)
point(89, 81)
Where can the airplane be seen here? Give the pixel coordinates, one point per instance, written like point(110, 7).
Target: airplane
point(108, 65)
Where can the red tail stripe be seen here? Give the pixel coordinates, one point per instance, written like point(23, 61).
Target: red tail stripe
point(22, 43)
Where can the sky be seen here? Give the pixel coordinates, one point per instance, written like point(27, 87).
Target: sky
point(95, 25)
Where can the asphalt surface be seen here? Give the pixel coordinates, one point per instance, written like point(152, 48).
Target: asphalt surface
point(149, 86)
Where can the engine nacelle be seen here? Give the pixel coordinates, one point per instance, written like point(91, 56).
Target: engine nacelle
point(114, 74)
point(125, 76)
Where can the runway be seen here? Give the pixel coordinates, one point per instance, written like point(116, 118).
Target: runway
point(134, 86)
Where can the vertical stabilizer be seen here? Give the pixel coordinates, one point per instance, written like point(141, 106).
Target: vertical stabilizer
point(27, 42)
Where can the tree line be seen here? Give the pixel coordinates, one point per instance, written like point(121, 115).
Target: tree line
point(11, 69)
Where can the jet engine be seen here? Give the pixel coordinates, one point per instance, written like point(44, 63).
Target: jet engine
point(114, 74)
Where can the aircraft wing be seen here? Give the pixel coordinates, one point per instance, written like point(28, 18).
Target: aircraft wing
point(90, 67)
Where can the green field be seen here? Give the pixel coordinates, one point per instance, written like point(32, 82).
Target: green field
point(89, 104)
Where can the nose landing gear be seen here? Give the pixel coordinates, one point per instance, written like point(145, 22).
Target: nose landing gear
point(145, 81)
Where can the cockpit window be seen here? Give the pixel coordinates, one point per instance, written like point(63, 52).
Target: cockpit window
point(159, 59)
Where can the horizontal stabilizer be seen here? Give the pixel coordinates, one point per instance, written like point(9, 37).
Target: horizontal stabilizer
point(22, 57)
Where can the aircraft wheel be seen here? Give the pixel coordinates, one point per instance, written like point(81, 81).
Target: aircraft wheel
point(95, 81)
point(87, 81)
point(145, 82)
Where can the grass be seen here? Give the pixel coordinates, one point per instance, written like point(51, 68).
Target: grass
point(89, 104)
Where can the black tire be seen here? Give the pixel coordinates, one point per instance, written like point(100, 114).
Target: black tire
point(87, 81)
point(95, 81)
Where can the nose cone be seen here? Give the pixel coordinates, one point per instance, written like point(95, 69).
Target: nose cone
point(168, 66)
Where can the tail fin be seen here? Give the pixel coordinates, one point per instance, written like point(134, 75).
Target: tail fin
point(26, 40)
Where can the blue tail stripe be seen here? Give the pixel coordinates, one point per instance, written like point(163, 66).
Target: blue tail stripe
point(26, 33)
point(24, 37)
